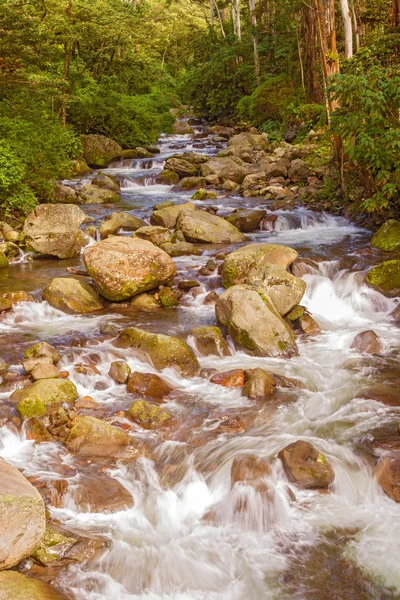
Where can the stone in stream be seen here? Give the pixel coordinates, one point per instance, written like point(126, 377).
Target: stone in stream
point(209, 341)
point(119, 371)
point(249, 469)
point(167, 177)
point(92, 194)
point(54, 546)
point(306, 466)
point(72, 296)
point(5, 305)
point(385, 278)
point(182, 167)
point(64, 194)
point(145, 302)
point(162, 350)
point(182, 128)
point(367, 342)
point(22, 519)
point(191, 183)
point(99, 150)
point(44, 371)
point(395, 315)
point(16, 586)
point(254, 323)
point(203, 194)
point(122, 267)
point(42, 349)
point(149, 385)
point(387, 238)
point(134, 153)
point(106, 181)
point(167, 217)
point(252, 259)
point(309, 325)
point(180, 249)
point(233, 378)
point(34, 400)
point(155, 234)
point(246, 220)
point(387, 473)
point(17, 297)
point(99, 494)
point(168, 297)
point(54, 230)
point(120, 220)
point(199, 226)
point(225, 168)
point(92, 437)
point(148, 416)
point(284, 289)
point(259, 385)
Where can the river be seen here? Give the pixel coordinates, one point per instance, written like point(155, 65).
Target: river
point(185, 537)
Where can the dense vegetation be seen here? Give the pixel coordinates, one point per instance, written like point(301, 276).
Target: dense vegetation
point(116, 67)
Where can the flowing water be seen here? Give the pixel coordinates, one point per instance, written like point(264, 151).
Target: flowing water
point(190, 535)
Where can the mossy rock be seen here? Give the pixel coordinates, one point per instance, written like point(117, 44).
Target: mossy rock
point(168, 177)
point(3, 260)
point(387, 237)
point(163, 350)
point(209, 341)
point(15, 586)
point(168, 298)
point(147, 415)
point(53, 547)
point(72, 296)
point(296, 313)
point(99, 150)
point(385, 277)
point(92, 437)
point(34, 400)
point(203, 194)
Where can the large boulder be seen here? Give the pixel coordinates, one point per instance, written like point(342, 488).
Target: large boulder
point(122, 267)
point(99, 150)
point(385, 277)
point(246, 220)
point(22, 518)
point(209, 341)
point(225, 168)
point(92, 437)
point(65, 194)
point(306, 466)
point(155, 234)
point(387, 238)
point(182, 128)
point(92, 194)
point(16, 586)
point(167, 217)
point(120, 220)
point(72, 296)
point(387, 473)
point(284, 289)
point(162, 350)
point(34, 400)
point(254, 323)
point(106, 181)
point(252, 259)
point(254, 140)
point(54, 230)
point(200, 226)
point(180, 166)
point(194, 157)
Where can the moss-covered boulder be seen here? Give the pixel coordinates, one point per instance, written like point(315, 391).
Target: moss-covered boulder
point(155, 234)
point(65, 194)
point(252, 259)
point(3, 260)
point(162, 350)
point(53, 546)
point(92, 437)
point(106, 181)
point(246, 220)
point(72, 296)
point(387, 237)
point(22, 519)
point(254, 323)
point(182, 128)
point(182, 167)
point(54, 230)
point(209, 341)
point(120, 220)
point(99, 150)
point(42, 349)
point(168, 297)
point(200, 226)
point(92, 194)
point(226, 168)
point(34, 400)
point(167, 217)
point(16, 586)
point(191, 183)
point(284, 289)
point(385, 277)
point(167, 177)
point(306, 466)
point(180, 249)
point(203, 194)
point(122, 267)
point(148, 416)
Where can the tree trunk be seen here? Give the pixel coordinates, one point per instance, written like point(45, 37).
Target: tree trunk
point(238, 25)
point(255, 40)
point(211, 13)
point(396, 13)
point(355, 26)
point(310, 43)
point(348, 30)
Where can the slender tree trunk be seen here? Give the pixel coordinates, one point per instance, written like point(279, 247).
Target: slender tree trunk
point(300, 59)
point(310, 42)
point(212, 13)
point(355, 26)
point(255, 40)
point(220, 19)
point(68, 49)
point(238, 24)
point(396, 13)
point(233, 16)
point(348, 30)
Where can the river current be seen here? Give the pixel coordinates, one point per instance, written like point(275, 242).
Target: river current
point(185, 537)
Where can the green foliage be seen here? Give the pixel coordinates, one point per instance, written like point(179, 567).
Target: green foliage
point(304, 116)
point(368, 122)
point(274, 130)
point(267, 101)
point(14, 194)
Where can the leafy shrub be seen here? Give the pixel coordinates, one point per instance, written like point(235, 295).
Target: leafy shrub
point(267, 101)
point(304, 116)
point(367, 121)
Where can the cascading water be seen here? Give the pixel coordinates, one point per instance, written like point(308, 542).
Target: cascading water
point(190, 534)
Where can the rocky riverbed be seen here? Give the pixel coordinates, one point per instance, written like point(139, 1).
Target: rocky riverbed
point(200, 375)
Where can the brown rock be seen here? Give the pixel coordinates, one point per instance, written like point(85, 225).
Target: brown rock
point(234, 378)
point(209, 341)
point(306, 466)
point(309, 325)
point(248, 469)
point(259, 385)
point(44, 371)
point(367, 342)
point(100, 494)
point(119, 371)
point(148, 385)
point(387, 473)
point(16, 586)
point(92, 437)
point(148, 416)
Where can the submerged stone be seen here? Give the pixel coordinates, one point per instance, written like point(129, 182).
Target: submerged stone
point(148, 416)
